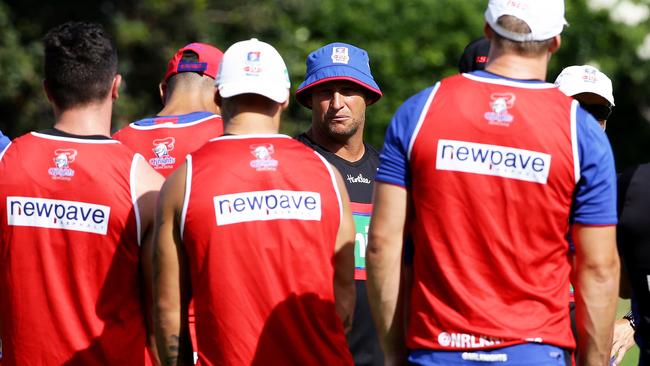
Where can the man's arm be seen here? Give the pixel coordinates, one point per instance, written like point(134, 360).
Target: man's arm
point(383, 267)
point(344, 289)
point(597, 280)
point(147, 185)
point(170, 290)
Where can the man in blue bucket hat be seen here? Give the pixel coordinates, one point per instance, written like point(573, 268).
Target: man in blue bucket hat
point(338, 87)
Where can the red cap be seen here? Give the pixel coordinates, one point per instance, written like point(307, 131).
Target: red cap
point(207, 64)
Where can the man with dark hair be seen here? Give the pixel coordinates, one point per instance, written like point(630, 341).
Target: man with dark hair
point(591, 88)
point(338, 87)
point(190, 117)
point(75, 206)
point(487, 171)
point(258, 228)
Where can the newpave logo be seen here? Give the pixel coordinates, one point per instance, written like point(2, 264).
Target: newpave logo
point(267, 205)
point(57, 214)
point(495, 160)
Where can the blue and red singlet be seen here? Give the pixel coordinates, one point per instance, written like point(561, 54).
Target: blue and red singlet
point(498, 169)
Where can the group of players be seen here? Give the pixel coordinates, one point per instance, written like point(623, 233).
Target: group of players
point(493, 192)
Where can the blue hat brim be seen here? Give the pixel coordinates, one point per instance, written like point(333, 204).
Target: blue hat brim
point(338, 72)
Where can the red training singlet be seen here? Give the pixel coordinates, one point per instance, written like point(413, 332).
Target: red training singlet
point(69, 253)
point(490, 264)
point(165, 140)
point(259, 228)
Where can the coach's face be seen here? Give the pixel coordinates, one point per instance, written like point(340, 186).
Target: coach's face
point(338, 109)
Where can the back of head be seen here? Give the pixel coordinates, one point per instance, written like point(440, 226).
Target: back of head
point(525, 27)
point(253, 76)
point(80, 64)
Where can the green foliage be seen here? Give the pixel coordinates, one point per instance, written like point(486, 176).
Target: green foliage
point(411, 45)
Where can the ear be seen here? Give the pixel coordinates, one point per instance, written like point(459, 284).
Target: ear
point(115, 88)
point(488, 32)
point(217, 98)
point(285, 105)
point(162, 90)
point(555, 44)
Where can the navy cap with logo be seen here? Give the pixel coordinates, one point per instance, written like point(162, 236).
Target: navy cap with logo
point(338, 61)
point(475, 56)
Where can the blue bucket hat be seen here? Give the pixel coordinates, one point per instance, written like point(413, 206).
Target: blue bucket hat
point(338, 61)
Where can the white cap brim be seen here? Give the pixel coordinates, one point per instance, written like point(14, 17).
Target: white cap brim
point(276, 93)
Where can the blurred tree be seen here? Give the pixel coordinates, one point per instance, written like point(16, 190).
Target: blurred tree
point(411, 44)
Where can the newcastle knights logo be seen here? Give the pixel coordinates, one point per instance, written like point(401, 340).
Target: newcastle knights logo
point(62, 160)
point(263, 159)
point(340, 55)
point(253, 67)
point(162, 148)
point(499, 105)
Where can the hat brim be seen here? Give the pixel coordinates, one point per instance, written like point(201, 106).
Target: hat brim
point(573, 90)
point(333, 73)
point(275, 92)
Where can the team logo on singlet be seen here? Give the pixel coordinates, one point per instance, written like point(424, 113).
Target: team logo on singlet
point(62, 160)
point(263, 157)
point(162, 148)
point(340, 55)
point(499, 105)
point(253, 67)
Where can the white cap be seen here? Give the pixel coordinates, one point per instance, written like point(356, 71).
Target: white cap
point(253, 67)
point(544, 17)
point(585, 79)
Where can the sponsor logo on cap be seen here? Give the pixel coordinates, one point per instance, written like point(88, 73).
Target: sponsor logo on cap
point(590, 76)
point(57, 214)
point(499, 105)
point(340, 55)
point(62, 160)
point(263, 157)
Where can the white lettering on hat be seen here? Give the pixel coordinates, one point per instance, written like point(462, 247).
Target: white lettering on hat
point(340, 55)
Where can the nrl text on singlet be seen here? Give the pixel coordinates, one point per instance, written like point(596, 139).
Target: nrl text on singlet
point(267, 205)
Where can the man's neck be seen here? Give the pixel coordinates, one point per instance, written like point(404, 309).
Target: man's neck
point(86, 120)
point(250, 123)
point(185, 104)
point(351, 149)
point(518, 67)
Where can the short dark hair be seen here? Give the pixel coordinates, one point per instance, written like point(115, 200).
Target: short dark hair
point(527, 48)
point(80, 63)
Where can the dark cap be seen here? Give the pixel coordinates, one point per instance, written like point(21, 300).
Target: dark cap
point(475, 55)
